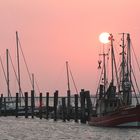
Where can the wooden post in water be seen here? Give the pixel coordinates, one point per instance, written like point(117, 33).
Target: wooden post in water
point(64, 109)
point(55, 104)
point(32, 103)
point(76, 108)
point(16, 111)
point(82, 97)
point(40, 105)
point(1, 99)
point(89, 104)
point(26, 104)
point(68, 105)
point(47, 105)
point(5, 109)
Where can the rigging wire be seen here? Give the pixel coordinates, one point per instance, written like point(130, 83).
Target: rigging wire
point(138, 67)
point(135, 56)
point(25, 63)
point(15, 72)
point(28, 68)
point(100, 78)
point(4, 74)
point(135, 81)
point(37, 85)
point(73, 80)
point(135, 93)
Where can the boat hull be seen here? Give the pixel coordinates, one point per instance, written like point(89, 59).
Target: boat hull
point(126, 117)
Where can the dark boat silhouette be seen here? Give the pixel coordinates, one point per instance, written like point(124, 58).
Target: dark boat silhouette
point(114, 99)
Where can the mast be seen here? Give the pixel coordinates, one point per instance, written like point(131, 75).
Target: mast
point(129, 69)
point(126, 71)
point(19, 83)
point(104, 69)
point(123, 59)
point(8, 86)
point(112, 58)
point(68, 75)
point(33, 81)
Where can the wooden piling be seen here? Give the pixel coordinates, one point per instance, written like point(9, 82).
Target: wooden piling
point(1, 99)
point(16, 110)
point(26, 104)
point(82, 99)
point(55, 104)
point(47, 105)
point(68, 105)
point(76, 108)
point(32, 103)
point(64, 109)
point(40, 105)
point(5, 109)
point(89, 104)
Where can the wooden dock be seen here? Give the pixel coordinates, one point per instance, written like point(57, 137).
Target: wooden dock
point(77, 107)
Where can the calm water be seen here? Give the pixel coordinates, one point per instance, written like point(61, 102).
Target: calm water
point(12, 128)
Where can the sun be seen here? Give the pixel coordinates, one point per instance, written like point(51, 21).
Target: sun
point(104, 37)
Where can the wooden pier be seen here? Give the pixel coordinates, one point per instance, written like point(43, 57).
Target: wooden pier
point(77, 107)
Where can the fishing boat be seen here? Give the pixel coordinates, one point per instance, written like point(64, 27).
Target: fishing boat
point(114, 107)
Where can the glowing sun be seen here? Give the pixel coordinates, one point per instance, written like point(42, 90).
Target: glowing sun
point(104, 37)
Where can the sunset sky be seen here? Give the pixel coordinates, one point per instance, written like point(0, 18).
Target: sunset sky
point(55, 31)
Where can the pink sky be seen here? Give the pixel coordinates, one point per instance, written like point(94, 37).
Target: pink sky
point(55, 31)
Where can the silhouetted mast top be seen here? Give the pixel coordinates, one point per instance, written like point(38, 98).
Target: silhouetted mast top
point(19, 84)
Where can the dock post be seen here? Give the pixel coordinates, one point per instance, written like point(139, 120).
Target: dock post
point(64, 109)
point(26, 104)
point(89, 104)
point(1, 99)
point(32, 103)
point(40, 105)
point(68, 105)
point(55, 104)
point(82, 97)
point(76, 108)
point(5, 109)
point(16, 111)
point(47, 105)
